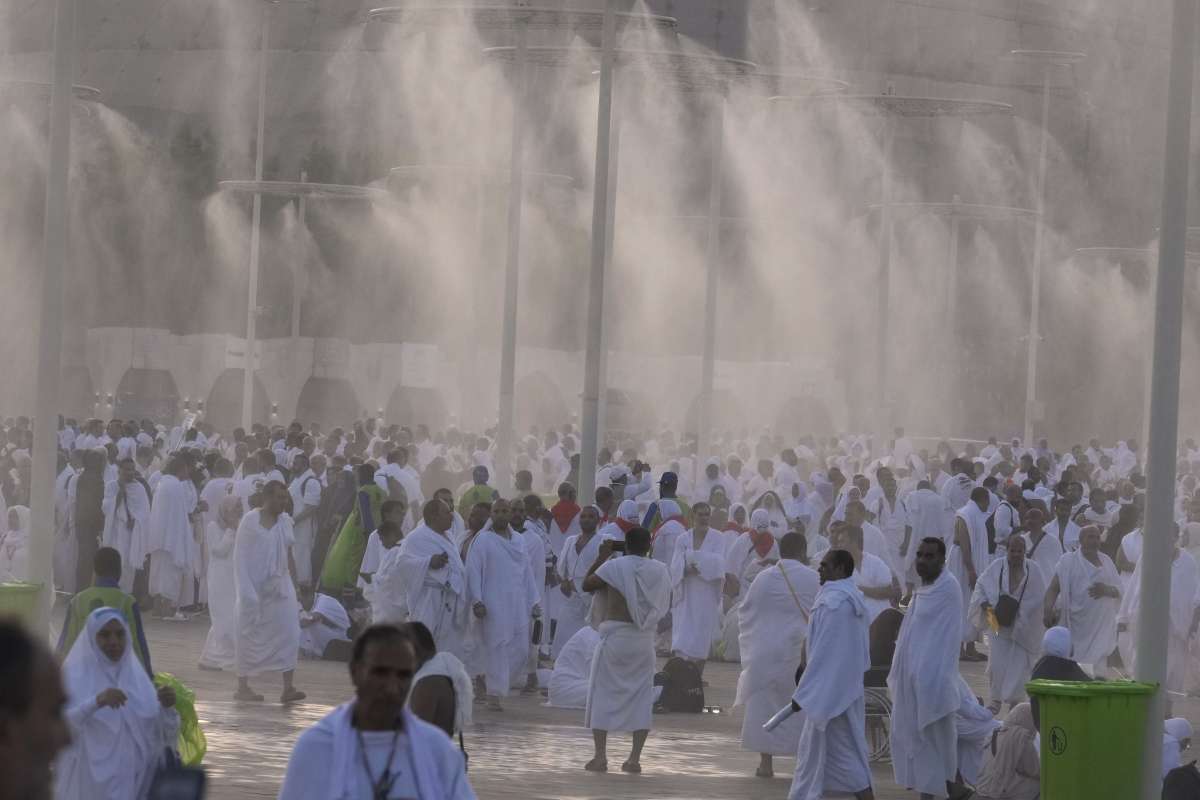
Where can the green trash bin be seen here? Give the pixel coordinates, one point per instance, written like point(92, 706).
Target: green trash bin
point(1092, 738)
point(20, 600)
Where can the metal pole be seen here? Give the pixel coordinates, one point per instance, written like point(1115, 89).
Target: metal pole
point(712, 279)
point(589, 444)
point(255, 228)
point(1153, 617)
point(49, 352)
point(298, 267)
point(950, 318)
point(884, 289)
point(1035, 291)
point(512, 271)
point(614, 173)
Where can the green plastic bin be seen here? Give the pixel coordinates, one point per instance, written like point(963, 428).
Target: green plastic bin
point(1092, 738)
point(20, 600)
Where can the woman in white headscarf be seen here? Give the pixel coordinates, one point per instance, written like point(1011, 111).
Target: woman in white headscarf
point(1177, 737)
point(120, 725)
point(14, 546)
point(220, 646)
point(777, 520)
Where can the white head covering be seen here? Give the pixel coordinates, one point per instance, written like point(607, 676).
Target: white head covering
point(1178, 728)
point(668, 509)
point(760, 520)
point(628, 511)
point(1057, 642)
point(112, 740)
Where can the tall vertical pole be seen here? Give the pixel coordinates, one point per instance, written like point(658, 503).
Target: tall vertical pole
point(512, 270)
point(49, 353)
point(589, 445)
point(255, 228)
point(949, 318)
point(298, 272)
point(1035, 290)
point(712, 279)
point(1154, 612)
point(614, 174)
point(883, 280)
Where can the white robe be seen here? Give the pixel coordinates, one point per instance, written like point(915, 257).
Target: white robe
point(173, 548)
point(832, 751)
point(892, 520)
point(327, 762)
point(498, 575)
point(665, 538)
point(220, 647)
point(126, 527)
point(568, 687)
point(1068, 535)
point(773, 623)
point(387, 597)
point(974, 725)
point(1092, 621)
point(696, 600)
point(437, 598)
point(66, 546)
point(535, 551)
point(1185, 583)
point(621, 682)
point(924, 687)
point(1046, 554)
point(976, 522)
point(873, 573)
point(1012, 651)
point(306, 496)
point(316, 637)
point(268, 616)
point(574, 610)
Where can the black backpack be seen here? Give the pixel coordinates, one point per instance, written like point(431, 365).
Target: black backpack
point(991, 527)
point(682, 689)
point(1182, 783)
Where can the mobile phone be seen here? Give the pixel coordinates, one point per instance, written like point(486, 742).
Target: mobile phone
point(178, 783)
point(618, 547)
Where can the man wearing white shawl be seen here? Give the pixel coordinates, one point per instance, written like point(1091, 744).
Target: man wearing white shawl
point(306, 500)
point(772, 625)
point(974, 724)
point(697, 576)
point(923, 679)
point(1041, 546)
point(1185, 582)
point(323, 620)
point(832, 751)
point(268, 615)
point(172, 543)
point(120, 725)
point(1012, 649)
point(1085, 597)
point(374, 747)
point(637, 592)
point(220, 647)
point(671, 529)
point(126, 508)
point(969, 557)
point(578, 555)
point(503, 599)
point(428, 566)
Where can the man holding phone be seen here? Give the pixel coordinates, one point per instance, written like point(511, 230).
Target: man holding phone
point(636, 593)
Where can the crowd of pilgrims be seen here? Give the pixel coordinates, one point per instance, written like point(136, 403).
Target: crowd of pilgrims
point(293, 540)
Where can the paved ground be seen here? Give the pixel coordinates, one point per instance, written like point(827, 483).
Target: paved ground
point(528, 752)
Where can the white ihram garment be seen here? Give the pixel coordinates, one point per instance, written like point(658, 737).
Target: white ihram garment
point(172, 543)
point(436, 597)
point(696, 597)
point(1012, 651)
point(976, 522)
point(127, 527)
point(1185, 582)
point(568, 686)
point(268, 616)
point(574, 610)
point(1092, 621)
point(499, 577)
point(220, 647)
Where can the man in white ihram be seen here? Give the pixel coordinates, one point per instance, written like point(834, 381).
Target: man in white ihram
point(924, 679)
point(773, 624)
point(268, 614)
point(373, 748)
point(697, 577)
point(832, 753)
point(1084, 597)
point(432, 573)
point(503, 598)
point(637, 594)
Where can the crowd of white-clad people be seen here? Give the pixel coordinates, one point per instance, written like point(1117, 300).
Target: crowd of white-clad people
point(823, 565)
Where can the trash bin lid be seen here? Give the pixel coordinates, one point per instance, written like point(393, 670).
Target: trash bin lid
point(1044, 688)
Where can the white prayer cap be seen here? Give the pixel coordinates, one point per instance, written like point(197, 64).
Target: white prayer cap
point(628, 511)
point(1178, 728)
point(618, 472)
point(760, 520)
point(1057, 642)
point(668, 509)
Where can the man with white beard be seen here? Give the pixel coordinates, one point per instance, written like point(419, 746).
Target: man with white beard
point(1185, 582)
point(968, 558)
point(636, 595)
point(503, 598)
point(924, 679)
point(1013, 649)
point(1087, 582)
point(578, 555)
point(172, 542)
point(268, 614)
point(773, 622)
point(127, 521)
point(306, 499)
point(428, 566)
point(697, 571)
point(832, 751)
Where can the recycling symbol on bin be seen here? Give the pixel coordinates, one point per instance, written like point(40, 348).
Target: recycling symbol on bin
point(1058, 741)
